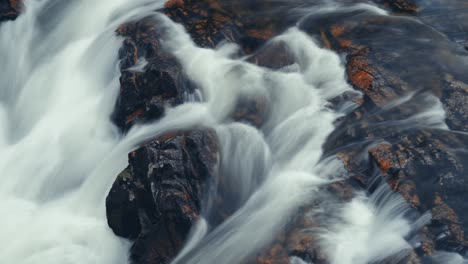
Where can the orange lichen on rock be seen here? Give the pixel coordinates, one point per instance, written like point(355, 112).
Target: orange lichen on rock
point(264, 33)
point(276, 255)
point(345, 158)
point(361, 79)
point(359, 73)
point(168, 136)
point(220, 18)
point(379, 154)
point(442, 212)
point(427, 247)
point(174, 3)
point(385, 165)
point(135, 115)
point(337, 31)
point(346, 43)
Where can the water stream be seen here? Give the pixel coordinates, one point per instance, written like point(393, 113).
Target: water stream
point(60, 152)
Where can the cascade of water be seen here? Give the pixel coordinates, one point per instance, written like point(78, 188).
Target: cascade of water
point(59, 152)
point(56, 94)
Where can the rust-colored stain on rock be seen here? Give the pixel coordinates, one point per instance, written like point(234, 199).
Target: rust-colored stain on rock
point(359, 73)
point(174, 3)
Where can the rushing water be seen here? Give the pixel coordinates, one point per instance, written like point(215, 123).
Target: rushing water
point(57, 89)
point(59, 151)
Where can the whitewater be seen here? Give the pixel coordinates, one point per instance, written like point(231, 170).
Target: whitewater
point(60, 152)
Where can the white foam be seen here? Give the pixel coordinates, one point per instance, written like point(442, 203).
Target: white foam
point(57, 92)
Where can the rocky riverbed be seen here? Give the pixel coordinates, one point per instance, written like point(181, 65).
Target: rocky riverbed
point(418, 50)
point(408, 130)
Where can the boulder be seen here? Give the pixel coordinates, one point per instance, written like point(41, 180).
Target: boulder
point(158, 197)
point(151, 79)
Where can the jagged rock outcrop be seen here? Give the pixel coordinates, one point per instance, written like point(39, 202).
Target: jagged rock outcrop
point(9, 9)
point(157, 198)
point(144, 93)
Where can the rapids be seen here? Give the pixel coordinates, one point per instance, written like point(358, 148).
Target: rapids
point(60, 152)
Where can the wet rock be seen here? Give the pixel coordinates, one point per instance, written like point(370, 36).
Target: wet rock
point(455, 100)
point(251, 110)
point(122, 205)
point(9, 9)
point(424, 165)
point(158, 197)
point(212, 22)
point(300, 238)
point(151, 79)
point(402, 5)
point(379, 57)
point(448, 16)
point(207, 22)
point(273, 56)
point(386, 58)
point(430, 173)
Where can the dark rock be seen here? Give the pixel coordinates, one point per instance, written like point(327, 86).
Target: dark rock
point(158, 197)
point(145, 94)
point(9, 9)
point(161, 83)
point(455, 101)
point(430, 173)
point(122, 205)
point(207, 22)
point(402, 5)
point(273, 56)
point(211, 22)
point(423, 165)
point(252, 111)
point(447, 16)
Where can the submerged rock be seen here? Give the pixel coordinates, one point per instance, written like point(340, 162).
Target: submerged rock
point(158, 197)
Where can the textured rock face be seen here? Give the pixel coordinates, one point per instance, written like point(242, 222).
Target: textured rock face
point(158, 197)
point(428, 171)
point(151, 78)
point(210, 22)
point(419, 161)
point(9, 9)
